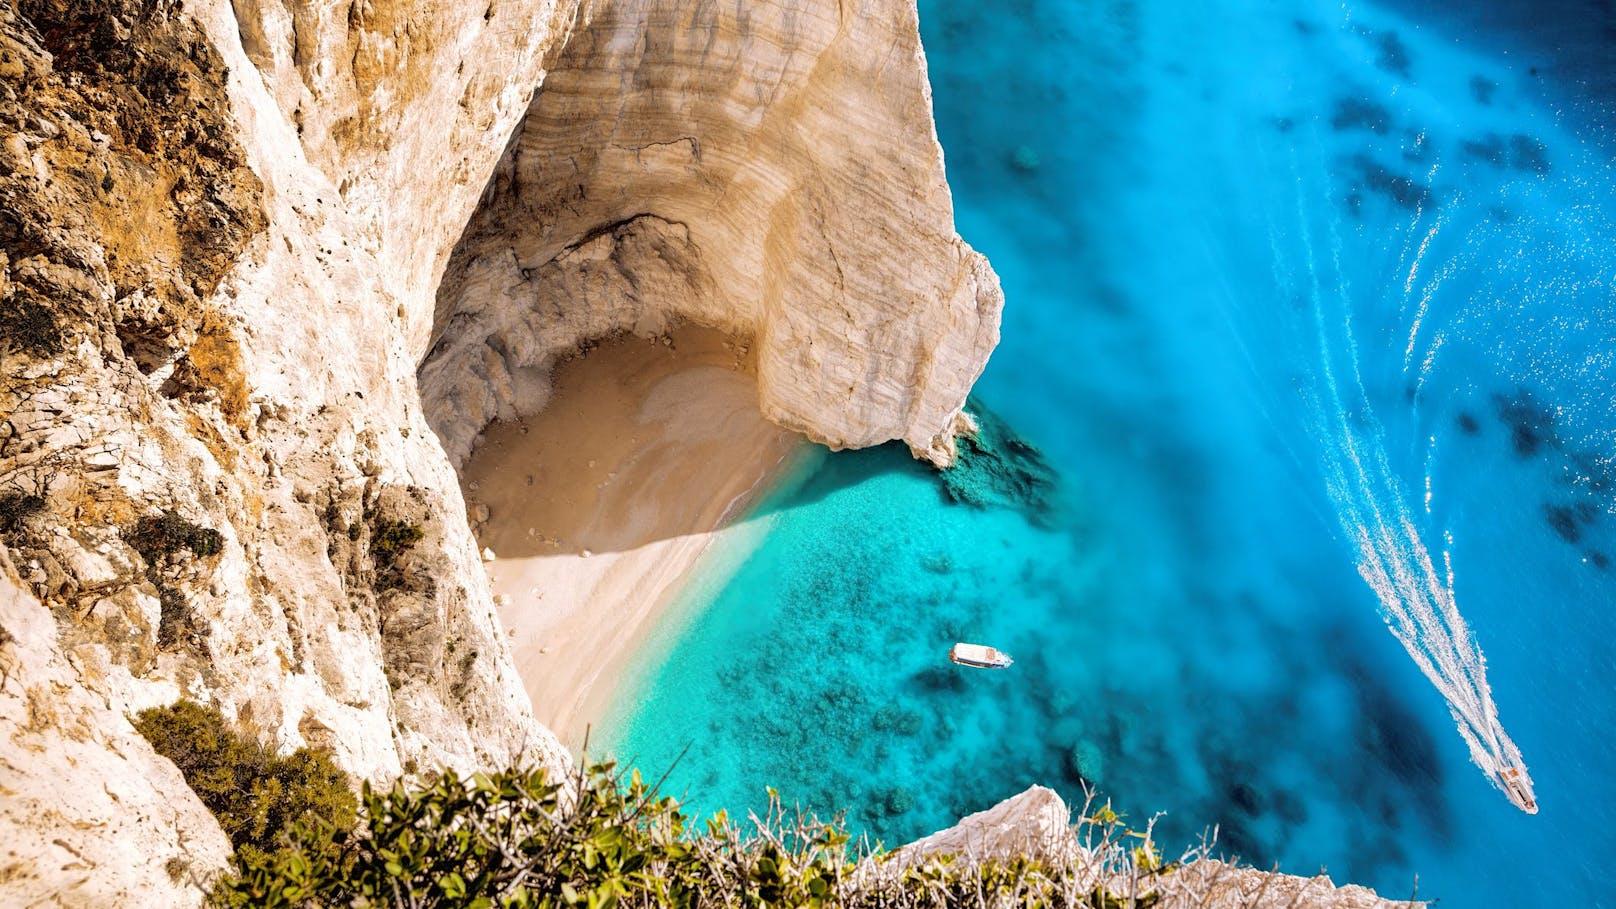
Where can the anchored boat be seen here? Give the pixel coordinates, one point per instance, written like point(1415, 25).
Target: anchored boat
point(1518, 786)
point(980, 656)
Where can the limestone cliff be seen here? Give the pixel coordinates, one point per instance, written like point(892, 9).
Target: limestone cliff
point(218, 268)
point(765, 168)
point(223, 228)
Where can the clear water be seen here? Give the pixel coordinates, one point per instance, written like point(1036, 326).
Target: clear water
point(1278, 274)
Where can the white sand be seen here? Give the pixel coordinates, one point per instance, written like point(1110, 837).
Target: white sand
point(602, 504)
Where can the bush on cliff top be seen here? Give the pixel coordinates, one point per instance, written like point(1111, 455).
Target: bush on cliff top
point(516, 839)
point(256, 795)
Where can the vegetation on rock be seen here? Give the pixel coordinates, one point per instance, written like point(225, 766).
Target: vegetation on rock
point(389, 540)
point(16, 507)
point(27, 327)
point(172, 615)
point(517, 839)
point(156, 536)
point(257, 796)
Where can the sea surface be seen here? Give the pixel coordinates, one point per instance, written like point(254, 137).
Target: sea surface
point(1311, 314)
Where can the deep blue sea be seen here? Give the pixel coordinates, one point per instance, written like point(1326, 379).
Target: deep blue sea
point(1311, 306)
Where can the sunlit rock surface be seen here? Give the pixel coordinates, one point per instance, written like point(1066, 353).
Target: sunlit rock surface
point(769, 169)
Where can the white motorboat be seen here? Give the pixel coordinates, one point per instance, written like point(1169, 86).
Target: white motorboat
point(980, 656)
point(1518, 786)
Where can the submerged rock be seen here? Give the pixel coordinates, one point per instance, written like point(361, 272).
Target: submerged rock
point(997, 468)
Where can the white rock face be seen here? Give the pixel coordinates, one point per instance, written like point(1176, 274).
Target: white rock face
point(769, 169)
point(808, 208)
point(1037, 822)
point(373, 127)
point(92, 816)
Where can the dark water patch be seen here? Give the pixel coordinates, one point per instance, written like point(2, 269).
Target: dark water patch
point(1236, 841)
point(1392, 55)
point(1400, 774)
point(1565, 42)
point(1598, 559)
point(1084, 763)
point(998, 468)
point(1530, 424)
point(1246, 798)
point(1024, 160)
point(1570, 522)
point(1489, 149)
point(1381, 180)
point(1519, 152)
point(939, 679)
point(1304, 27)
point(1289, 808)
point(1467, 423)
point(1528, 154)
point(1482, 89)
point(1390, 731)
point(1352, 113)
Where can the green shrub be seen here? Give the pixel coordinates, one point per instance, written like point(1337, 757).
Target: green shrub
point(155, 536)
point(389, 540)
point(15, 507)
point(515, 839)
point(256, 795)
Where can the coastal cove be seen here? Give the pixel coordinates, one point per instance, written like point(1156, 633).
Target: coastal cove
point(550, 452)
point(1269, 270)
point(596, 510)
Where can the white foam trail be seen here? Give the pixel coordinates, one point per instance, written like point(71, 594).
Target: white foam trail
point(1416, 601)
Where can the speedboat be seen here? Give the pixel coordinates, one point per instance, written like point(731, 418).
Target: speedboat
point(1518, 786)
point(979, 655)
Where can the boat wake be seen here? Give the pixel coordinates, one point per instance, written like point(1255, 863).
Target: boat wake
point(1416, 593)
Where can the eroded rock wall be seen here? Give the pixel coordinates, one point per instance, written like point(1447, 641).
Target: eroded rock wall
point(767, 168)
point(222, 228)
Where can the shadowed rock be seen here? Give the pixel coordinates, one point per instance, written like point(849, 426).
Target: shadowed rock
point(997, 468)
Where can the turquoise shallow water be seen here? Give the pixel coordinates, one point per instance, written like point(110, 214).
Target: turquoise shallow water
point(1311, 306)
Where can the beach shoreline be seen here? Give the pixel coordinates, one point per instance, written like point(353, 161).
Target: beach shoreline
point(650, 454)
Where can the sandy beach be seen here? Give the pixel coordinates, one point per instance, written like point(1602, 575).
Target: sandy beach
point(598, 508)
